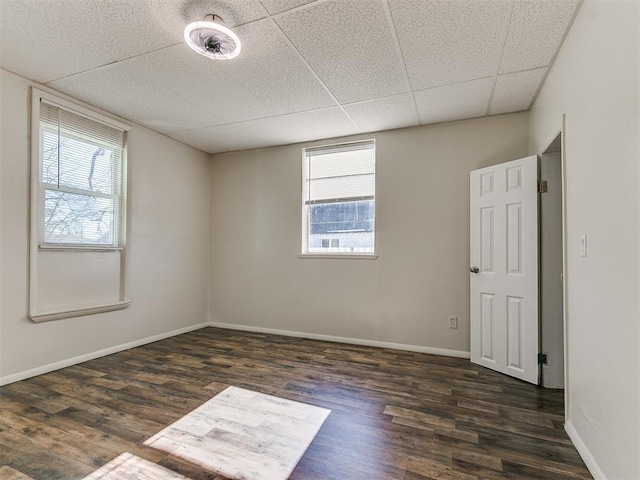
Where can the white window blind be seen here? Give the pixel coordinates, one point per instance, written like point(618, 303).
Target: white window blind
point(81, 180)
point(339, 198)
point(340, 172)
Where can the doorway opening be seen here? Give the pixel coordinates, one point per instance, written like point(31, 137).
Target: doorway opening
point(551, 277)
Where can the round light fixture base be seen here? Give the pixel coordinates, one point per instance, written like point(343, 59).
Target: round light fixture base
point(212, 39)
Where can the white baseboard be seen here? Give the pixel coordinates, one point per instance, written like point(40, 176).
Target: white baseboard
point(354, 341)
point(584, 452)
point(34, 372)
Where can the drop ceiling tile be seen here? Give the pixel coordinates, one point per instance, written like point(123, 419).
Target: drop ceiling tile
point(31, 46)
point(267, 132)
point(121, 28)
point(536, 30)
point(445, 42)
point(278, 6)
point(286, 129)
point(200, 80)
point(516, 91)
point(200, 139)
point(387, 113)
point(271, 69)
point(348, 44)
point(97, 33)
point(135, 27)
point(118, 89)
point(232, 12)
point(126, 28)
point(454, 102)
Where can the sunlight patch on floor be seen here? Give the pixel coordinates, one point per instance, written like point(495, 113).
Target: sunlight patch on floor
point(242, 434)
point(130, 467)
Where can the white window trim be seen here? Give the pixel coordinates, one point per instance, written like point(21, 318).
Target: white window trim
point(340, 256)
point(304, 243)
point(35, 314)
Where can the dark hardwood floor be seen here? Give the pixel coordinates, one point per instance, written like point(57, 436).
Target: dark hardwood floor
point(395, 415)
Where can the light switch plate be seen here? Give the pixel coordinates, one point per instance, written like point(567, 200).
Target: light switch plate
point(583, 245)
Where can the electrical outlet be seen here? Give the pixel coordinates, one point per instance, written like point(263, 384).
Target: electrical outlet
point(453, 321)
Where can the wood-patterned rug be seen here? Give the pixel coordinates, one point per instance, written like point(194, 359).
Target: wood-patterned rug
point(244, 435)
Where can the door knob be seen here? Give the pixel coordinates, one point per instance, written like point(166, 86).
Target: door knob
point(474, 270)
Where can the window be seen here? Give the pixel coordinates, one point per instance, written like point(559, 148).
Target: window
point(77, 245)
point(81, 177)
point(339, 199)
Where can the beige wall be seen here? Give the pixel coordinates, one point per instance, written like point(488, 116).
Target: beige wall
point(595, 81)
point(422, 237)
point(168, 247)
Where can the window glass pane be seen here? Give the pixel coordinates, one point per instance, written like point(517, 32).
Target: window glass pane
point(342, 226)
point(71, 218)
point(76, 164)
point(49, 168)
point(342, 217)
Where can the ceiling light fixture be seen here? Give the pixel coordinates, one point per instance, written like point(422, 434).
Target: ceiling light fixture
point(212, 39)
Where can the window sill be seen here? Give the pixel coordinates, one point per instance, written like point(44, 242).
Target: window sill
point(78, 248)
point(334, 256)
point(77, 312)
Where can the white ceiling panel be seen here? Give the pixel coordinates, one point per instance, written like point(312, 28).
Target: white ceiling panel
point(454, 102)
point(200, 80)
point(278, 6)
point(267, 79)
point(309, 69)
point(117, 27)
point(387, 113)
point(349, 45)
point(516, 91)
point(217, 139)
point(445, 42)
point(95, 33)
point(536, 30)
point(200, 139)
point(120, 90)
point(273, 72)
point(267, 132)
point(232, 12)
point(47, 55)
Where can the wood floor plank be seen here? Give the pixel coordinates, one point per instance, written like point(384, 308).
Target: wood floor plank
point(8, 473)
point(395, 415)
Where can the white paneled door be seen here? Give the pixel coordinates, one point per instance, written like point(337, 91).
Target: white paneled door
point(504, 268)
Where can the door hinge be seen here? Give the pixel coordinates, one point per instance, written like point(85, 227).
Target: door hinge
point(543, 187)
point(543, 359)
